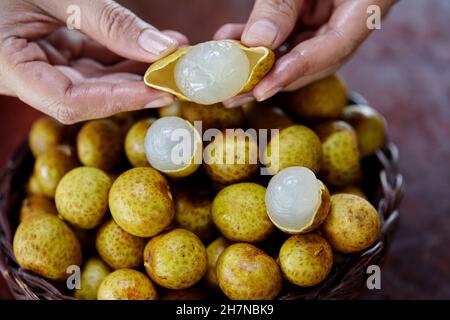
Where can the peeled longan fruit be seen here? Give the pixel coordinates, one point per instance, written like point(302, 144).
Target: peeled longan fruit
point(341, 155)
point(51, 166)
point(118, 248)
point(127, 284)
point(45, 245)
point(212, 116)
point(297, 202)
point(369, 125)
point(45, 133)
point(34, 205)
point(92, 275)
point(134, 143)
point(239, 212)
point(141, 203)
point(323, 99)
point(295, 145)
point(176, 259)
point(231, 157)
point(247, 273)
point(306, 260)
point(193, 212)
point(82, 196)
point(100, 144)
point(352, 225)
point(214, 250)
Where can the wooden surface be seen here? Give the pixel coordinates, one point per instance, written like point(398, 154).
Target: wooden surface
point(404, 71)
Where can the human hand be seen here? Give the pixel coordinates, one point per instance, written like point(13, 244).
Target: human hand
point(325, 32)
point(74, 76)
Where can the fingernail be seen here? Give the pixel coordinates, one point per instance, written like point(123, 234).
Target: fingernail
point(262, 32)
point(269, 93)
point(160, 102)
point(156, 42)
point(238, 101)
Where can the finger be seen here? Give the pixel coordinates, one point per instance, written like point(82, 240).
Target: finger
point(316, 13)
point(181, 39)
point(91, 68)
point(271, 22)
point(117, 28)
point(230, 31)
point(239, 100)
point(329, 48)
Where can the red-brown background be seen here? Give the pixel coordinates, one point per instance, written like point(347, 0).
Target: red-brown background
point(404, 71)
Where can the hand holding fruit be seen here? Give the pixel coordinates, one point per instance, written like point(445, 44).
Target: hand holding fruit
point(69, 76)
point(330, 32)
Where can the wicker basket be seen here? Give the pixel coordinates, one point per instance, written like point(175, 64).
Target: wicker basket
point(382, 184)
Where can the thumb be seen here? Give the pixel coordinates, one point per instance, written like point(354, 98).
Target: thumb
point(271, 22)
point(117, 28)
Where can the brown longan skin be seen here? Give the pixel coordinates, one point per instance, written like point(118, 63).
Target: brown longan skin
point(341, 166)
point(141, 203)
point(100, 144)
point(298, 146)
point(118, 248)
point(82, 196)
point(323, 99)
point(239, 212)
point(176, 259)
point(127, 284)
point(34, 205)
point(51, 166)
point(245, 272)
point(193, 212)
point(262, 116)
point(214, 250)
point(352, 225)
point(45, 134)
point(241, 168)
point(45, 245)
point(134, 143)
point(212, 116)
point(92, 275)
point(306, 260)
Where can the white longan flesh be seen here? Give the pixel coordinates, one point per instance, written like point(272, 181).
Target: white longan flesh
point(169, 143)
point(293, 197)
point(212, 72)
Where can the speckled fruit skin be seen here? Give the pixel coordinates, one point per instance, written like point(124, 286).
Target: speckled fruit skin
point(341, 156)
point(100, 144)
point(176, 259)
point(262, 116)
point(141, 203)
point(193, 212)
point(32, 187)
point(45, 245)
point(241, 168)
point(247, 273)
point(351, 190)
point(82, 196)
point(323, 99)
point(212, 116)
point(92, 275)
point(34, 205)
point(45, 134)
point(239, 212)
point(214, 250)
point(369, 126)
point(118, 248)
point(306, 260)
point(192, 293)
point(127, 284)
point(352, 225)
point(51, 166)
point(134, 143)
point(297, 145)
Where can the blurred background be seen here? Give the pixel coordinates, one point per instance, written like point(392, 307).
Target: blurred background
point(404, 72)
